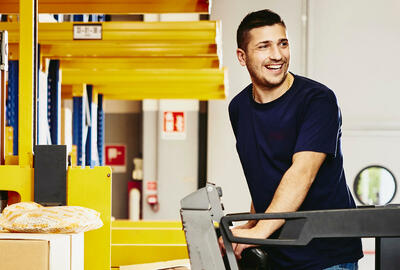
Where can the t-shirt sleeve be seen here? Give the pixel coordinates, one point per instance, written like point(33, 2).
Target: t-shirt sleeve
point(320, 127)
point(233, 116)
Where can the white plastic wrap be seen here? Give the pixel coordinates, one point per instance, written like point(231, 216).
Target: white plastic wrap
point(32, 217)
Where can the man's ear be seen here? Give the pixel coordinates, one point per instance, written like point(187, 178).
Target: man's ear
point(241, 55)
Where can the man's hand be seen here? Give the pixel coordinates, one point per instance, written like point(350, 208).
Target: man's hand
point(239, 231)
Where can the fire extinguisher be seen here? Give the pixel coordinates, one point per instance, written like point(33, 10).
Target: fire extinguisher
point(135, 190)
point(152, 197)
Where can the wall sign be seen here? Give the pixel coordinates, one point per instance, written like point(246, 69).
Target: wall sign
point(88, 31)
point(174, 125)
point(116, 157)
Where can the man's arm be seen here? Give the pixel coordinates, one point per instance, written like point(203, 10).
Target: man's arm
point(248, 225)
point(288, 197)
point(251, 223)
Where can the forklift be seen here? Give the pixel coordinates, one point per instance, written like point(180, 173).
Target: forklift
point(203, 220)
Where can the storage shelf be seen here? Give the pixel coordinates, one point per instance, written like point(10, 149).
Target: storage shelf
point(111, 6)
point(202, 84)
point(124, 32)
point(135, 60)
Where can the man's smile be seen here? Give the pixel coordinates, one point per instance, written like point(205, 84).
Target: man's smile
point(274, 66)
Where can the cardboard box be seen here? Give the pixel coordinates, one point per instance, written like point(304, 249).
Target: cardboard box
point(64, 251)
point(24, 254)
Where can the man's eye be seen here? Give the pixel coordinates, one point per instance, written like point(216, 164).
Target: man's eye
point(284, 44)
point(262, 46)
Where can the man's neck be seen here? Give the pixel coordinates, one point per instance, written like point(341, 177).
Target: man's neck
point(263, 94)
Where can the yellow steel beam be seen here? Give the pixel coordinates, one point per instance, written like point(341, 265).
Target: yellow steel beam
point(122, 254)
point(112, 6)
point(152, 88)
point(202, 84)
point(124, 32)
point(125, 39)
point(173, 56)
point(145, 232)
point(160, 95)
point(13, 51)
point(68, 91)
point(135, 242)
point(149, 76)
point(59, 51)
point(13, 31)
point(126, 223)
point(143, 91)
point(122, 92)
point(176, 62)
point(78, 90)
point(26, 82)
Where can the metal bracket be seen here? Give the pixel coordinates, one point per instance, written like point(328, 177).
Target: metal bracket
point(50, 179)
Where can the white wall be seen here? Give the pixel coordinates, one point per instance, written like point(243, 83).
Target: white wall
point(224, 167)
point(353, 48)
point(173, 163)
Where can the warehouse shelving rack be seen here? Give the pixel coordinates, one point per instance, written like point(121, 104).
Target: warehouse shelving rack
point(193, 59)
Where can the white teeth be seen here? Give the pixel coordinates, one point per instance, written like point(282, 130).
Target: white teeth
point(274, 66)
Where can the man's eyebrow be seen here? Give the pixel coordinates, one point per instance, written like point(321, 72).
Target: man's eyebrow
point(264, 42)
point(270, 41)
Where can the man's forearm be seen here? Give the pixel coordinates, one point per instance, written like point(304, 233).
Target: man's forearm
point(288, 197)
point(251, 223)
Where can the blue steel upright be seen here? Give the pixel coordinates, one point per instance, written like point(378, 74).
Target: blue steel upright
point(100, 129)
point(12, 101)
point(91, 147)
point(78, 126)
point(78, 18)
point(54, 101)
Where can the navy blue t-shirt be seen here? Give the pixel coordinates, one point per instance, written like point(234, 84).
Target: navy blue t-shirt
point(305, 118)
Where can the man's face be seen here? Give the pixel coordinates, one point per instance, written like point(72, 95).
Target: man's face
point(267, 55)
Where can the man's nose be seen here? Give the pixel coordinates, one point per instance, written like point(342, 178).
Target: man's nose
point(275, 53)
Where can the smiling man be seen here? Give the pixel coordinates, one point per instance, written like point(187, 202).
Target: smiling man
point(288, 133)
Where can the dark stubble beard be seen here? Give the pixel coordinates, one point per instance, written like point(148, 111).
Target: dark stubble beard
point(261, 81)
point(270, 85)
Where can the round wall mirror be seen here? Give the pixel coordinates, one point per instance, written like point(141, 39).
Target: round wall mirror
point(375, 185)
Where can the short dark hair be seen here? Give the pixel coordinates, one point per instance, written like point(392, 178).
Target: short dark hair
point(254, 20)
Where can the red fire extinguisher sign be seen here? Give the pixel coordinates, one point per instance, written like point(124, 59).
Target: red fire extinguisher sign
point(115, 157)
point(174, 125)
